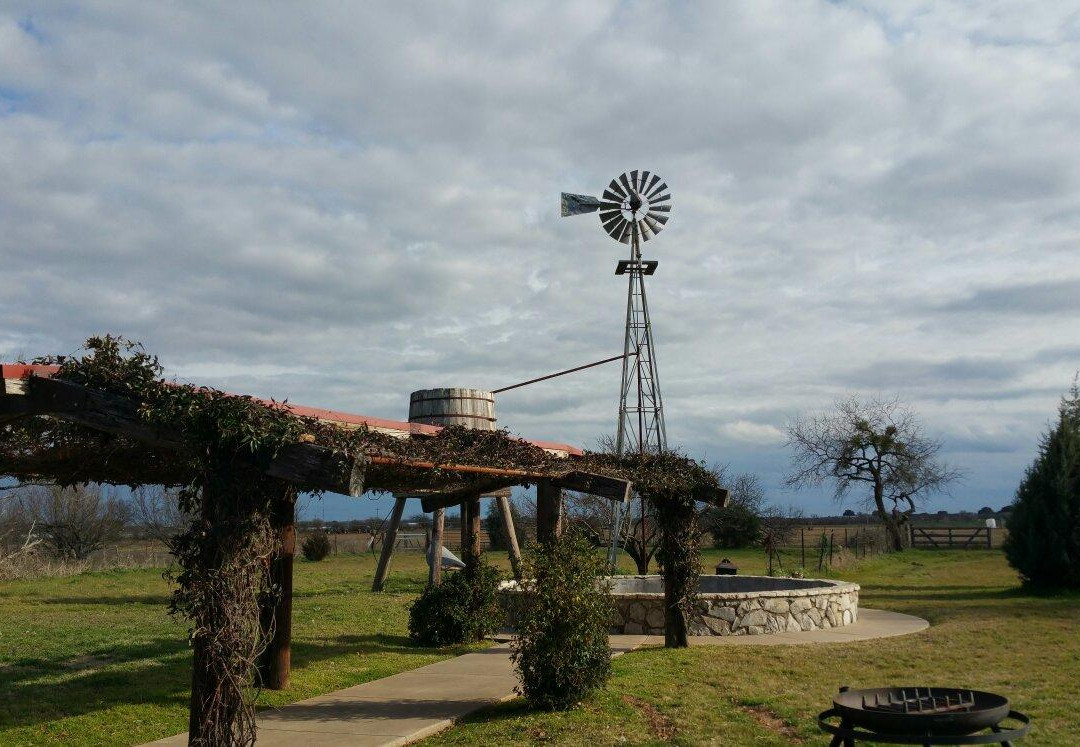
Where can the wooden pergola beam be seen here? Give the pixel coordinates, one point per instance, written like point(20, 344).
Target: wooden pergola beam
point(306, 465)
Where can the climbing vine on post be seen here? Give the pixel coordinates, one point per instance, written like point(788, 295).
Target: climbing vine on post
point(672, 484)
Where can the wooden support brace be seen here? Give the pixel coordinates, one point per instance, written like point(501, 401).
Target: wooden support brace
point(389, 537)
point(511, 535)
point(438, 523)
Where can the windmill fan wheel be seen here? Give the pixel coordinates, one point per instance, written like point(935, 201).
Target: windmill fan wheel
point(635, 199)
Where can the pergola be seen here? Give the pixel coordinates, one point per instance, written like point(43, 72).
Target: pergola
point(34, 391)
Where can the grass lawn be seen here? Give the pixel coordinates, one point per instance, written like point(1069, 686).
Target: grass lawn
point(985, 634)
point(94, 659)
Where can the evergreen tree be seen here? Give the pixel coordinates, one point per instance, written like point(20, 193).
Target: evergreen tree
point(1044, 525)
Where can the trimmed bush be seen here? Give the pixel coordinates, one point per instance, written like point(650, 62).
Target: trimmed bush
point(462, 609)
point(734, 526)
point(561, 652)
point(316, 546)
point(1044, 525)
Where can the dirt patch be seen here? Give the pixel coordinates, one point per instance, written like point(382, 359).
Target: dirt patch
point(87, 662)
point(659, 724)
point(769, 720)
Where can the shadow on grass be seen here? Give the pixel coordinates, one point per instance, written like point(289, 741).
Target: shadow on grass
point(155, 673)
point(95, 683)
point(306, 652)
point(117, 601)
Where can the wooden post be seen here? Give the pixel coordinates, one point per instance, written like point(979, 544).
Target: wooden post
point(276, 659)
point(438, 520)
point(548, 511)
point(471, 548)
point(802, 544)
point(389, 537)
point(511, 535)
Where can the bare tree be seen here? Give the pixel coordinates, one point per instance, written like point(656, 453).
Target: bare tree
point(876, 445)
point(157, 511)
point(78, 520)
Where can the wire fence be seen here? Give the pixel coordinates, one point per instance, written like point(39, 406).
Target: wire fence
point(800, 550)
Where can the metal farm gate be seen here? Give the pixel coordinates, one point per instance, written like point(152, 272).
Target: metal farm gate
point(952, 538)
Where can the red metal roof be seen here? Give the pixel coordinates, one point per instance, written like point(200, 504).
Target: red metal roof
point(23, 370)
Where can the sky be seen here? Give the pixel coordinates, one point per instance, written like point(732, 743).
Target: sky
point(340, 203)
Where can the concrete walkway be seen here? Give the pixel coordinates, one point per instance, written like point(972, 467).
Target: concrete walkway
point(412, 705)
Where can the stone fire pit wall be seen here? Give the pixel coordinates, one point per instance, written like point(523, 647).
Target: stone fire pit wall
point(729, 605)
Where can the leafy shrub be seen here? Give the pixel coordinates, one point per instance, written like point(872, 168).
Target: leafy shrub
point(561, 652)
point(462, 609)
point(1044, 525)
point(316, 546)
point(734, 526)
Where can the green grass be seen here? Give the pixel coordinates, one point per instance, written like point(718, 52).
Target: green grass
point(986, 634)
point(94, 659)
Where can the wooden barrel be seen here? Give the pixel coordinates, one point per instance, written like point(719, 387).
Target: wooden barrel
point(472, 408)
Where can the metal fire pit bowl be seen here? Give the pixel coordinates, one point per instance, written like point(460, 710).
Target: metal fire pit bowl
point(921, 710)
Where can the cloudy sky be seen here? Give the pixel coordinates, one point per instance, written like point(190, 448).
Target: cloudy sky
point(340, 203)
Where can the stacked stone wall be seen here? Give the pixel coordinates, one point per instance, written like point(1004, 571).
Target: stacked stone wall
point(832, 604)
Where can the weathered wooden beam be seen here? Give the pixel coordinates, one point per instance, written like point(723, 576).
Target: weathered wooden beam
point(485, 489)
point(548, 511)
point(389, 538)
point(511, 535)
point(438, 523)
point(276, 660)
point(305, 464)
point(612, 488)
point(470, 542)
point(308, 464)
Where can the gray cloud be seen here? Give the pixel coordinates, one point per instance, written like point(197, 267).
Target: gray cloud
point(340, 204)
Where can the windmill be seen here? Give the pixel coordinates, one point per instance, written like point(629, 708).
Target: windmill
point(633, 209)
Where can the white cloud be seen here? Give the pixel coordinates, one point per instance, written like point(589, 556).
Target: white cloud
point(340, 203)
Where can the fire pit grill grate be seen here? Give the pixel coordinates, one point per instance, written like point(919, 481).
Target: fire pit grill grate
point(921, 715)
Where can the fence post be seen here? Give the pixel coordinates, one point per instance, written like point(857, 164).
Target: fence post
point(989, 538)
point(802, 545)
point(832, 543)
point(950, 538)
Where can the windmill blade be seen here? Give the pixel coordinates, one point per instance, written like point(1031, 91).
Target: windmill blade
point(634, 180)
point(578, 204)
point(661, 198)
point(643, 230)
point(657, 191)
point(655, 179)
point(610, 205)
point(617, 189)
point(644, 178)
point(626, 183)
point(653, 224)
point(659, 208)
point(612, 221)
point(615, 227)
point(607, 217)
point(662, 219)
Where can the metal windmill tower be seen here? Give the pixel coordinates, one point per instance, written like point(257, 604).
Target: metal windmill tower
point(634, 208)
